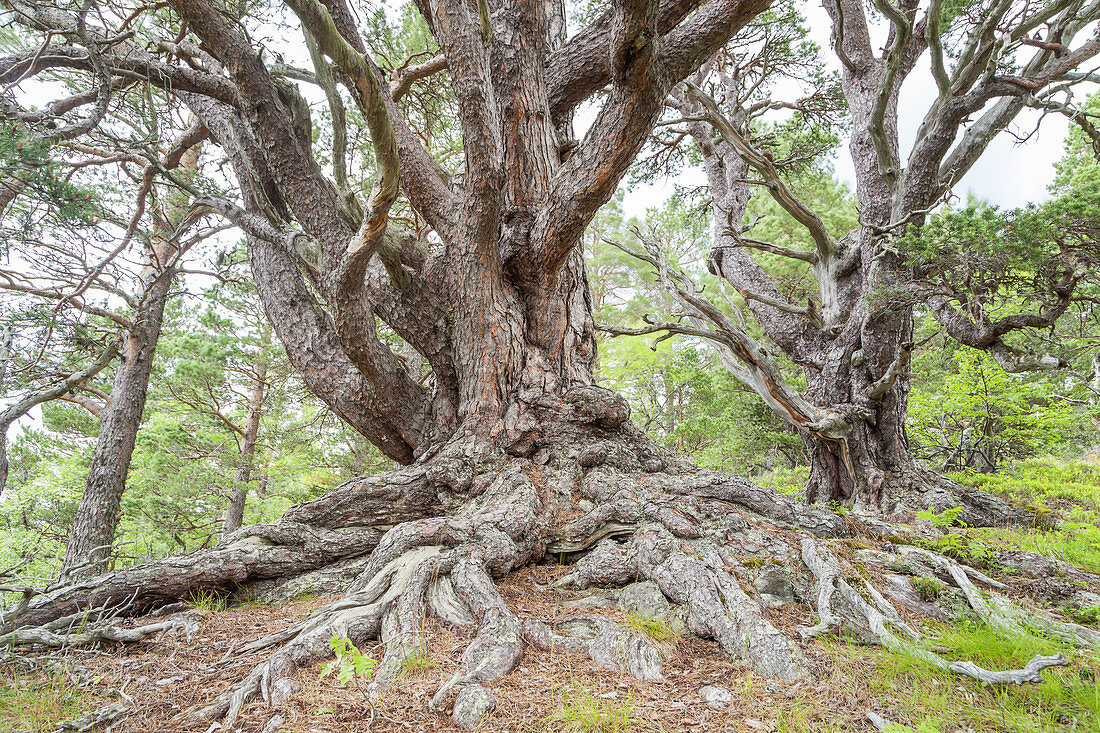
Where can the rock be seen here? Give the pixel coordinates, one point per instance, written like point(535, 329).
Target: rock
point(716, 697)
point(598, 599)
point(775, 585)
point(644, 599)
point(626, 652)
point(283, 689)
point(474, 703)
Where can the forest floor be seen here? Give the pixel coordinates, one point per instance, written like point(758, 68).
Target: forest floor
point(568, 693)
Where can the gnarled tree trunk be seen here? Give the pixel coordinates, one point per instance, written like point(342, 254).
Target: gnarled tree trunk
point(509, 452)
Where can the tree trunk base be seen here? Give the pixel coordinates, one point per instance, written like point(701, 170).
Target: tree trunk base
point(428, 541)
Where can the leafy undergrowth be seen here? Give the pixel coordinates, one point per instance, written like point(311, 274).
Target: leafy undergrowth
point(1066, 498)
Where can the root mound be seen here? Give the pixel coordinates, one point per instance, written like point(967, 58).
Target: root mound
point(438, 550)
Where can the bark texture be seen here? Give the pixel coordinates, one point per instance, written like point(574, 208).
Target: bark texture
point(510, 454)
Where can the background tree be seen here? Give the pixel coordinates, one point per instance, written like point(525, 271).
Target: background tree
point(852, 337)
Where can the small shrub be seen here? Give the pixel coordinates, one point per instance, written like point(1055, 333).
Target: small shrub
point(1088, 616)
point(929, 589)
point(959, 546)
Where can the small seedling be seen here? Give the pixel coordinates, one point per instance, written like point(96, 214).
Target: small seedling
point(349, 664)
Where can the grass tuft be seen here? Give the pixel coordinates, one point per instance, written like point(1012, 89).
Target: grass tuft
point(657, 629)
point(582, 712)
point(419, 662)
point(37, 705)
point(205, 600)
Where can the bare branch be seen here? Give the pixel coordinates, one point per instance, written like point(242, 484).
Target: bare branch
point(760, 162)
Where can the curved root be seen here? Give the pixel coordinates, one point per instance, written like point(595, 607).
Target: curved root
point(829, 575)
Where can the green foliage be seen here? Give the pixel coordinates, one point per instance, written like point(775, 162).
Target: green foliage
point(960, 546)
point(1072, 489)
point(1008, 416)
point(1089, 616)
point(787, 481)
point(925, 698)
point(1070, 486)
point(47, 196)
point(942, 520)
point(581, 711)
point(929, 589)
point(350, 663)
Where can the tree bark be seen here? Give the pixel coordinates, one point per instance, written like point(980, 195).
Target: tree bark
point(97, 515)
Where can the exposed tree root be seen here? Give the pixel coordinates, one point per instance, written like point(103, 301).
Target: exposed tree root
point(255, 552)
point(828, 573)
point(185, 623)
point(725, 551)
